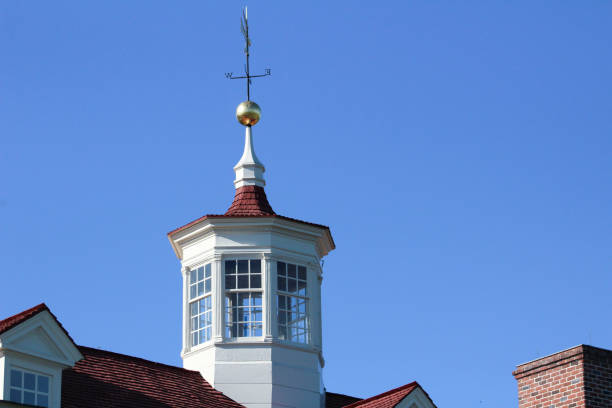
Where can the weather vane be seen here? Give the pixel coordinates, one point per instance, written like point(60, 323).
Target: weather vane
point(248, 112)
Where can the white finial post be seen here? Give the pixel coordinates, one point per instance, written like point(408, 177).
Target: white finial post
point(249, 170)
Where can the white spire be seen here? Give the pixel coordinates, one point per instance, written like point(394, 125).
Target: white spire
point(249, 170)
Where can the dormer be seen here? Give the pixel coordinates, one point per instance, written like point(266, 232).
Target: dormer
point(34, 349)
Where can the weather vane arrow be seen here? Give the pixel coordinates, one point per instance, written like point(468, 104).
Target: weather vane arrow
point(244, 27)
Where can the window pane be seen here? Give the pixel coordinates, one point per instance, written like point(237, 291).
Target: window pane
point(243, 266)
point(255, 266)
point(43, 384)
point(200, 288)
point(256, 299)
point(281, 302)
point(29, 381)
point(200, 273)
point(291, 285)
point(29, 398)
point(257, 330)
point(282, 283)
point(302, 272)
point(230, 282)
point(230, 267)
point(192, 292)
point(243, 299)
point(281, 268)
point(207, 286)
point(291, 271)
point(43, 400)
point(15, 395)
point(192, 276)
point(16, 378)
point(256, 281)
point(243, 281)
point(207, 271)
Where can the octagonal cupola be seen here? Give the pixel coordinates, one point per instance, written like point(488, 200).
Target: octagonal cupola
point(252, 291)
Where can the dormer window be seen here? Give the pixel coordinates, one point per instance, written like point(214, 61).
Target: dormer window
point(243, 298)
point(29, 388)
point(292, 303)
point(200, 304)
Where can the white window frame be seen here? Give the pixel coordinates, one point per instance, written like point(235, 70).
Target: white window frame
point(227, 330)
point(305, 298)
point(22, 389)
point(195, 301)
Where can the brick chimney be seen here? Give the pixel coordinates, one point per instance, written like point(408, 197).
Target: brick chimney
point(580, 377)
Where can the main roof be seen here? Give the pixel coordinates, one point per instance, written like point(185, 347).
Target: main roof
point(107, 379)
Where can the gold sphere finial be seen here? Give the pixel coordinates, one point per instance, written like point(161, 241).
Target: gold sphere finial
point(248, 113)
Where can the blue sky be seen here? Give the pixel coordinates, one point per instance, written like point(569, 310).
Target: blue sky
point(460, 152)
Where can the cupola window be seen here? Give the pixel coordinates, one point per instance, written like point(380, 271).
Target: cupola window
point(292, 303)
point(200, 304)
point(243, 306)
point(29, 388)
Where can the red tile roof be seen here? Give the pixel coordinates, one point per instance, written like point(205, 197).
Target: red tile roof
point(107, 379)
point(250, 200)
point(387, 399)
point(334, 400)
point(13, 321)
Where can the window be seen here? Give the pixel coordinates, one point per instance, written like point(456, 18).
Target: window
point(29, 388)
point(243, 312)
point(292, 303)
point(200, 305)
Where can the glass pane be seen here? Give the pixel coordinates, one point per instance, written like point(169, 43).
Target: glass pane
point(194, 308)
point(302, 272)
point(291, 285)
point(281, 268)
point(208, 303)
point(256, 299)
point(43, 384)
point(200, 273)
point(230, 267)
point(43, 401)
point(207, 286)
point(243, 281)
point(16, 378)
point(243, 299)
point(291, 272)
point(282, 317)
point(194, 339)
point(256, 315)
point(207, 270)
point(15, 395)
point(281, 302)
point(192, 291)
point(257, 330)
point(230, 281)
point(29, 398)
point(243, 266)
point(256, 281)
point(200, 288)
point(29, 381)
point(282, 332)
point(282, 283)
point(255, 266)
point(243, 330)
point(192, 276)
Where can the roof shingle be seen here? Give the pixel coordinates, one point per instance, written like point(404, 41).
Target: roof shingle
point(107, 379)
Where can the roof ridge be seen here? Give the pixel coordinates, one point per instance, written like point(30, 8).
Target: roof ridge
point(12, 321)
point(384, 394)
point(156, 363)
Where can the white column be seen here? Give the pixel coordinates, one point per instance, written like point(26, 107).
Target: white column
point(186, 342)
point(314, 284)
point(269, 293)
point(218, 299)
